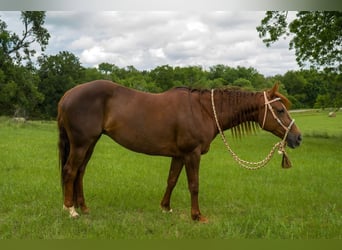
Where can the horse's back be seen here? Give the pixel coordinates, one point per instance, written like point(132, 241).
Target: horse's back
point(91, 90)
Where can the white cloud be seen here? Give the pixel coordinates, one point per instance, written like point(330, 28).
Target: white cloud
point(84, 42)
point(197, 26)
point(94, 55)
point(157, 53)
point(146, 39)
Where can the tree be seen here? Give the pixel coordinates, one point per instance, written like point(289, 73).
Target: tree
point(243, 83)
point(330, 91)
point(57, 73)
point(163, 76)
point(316, 36)
point(14, 46)
point(106, 69)
point(295, 85)
point(19, 94)
point(91, 74)
point(192, 76)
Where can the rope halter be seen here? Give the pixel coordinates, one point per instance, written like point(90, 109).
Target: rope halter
point(280, 145)
point(269, 106)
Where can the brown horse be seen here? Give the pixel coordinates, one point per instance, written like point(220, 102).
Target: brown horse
point(178, 123)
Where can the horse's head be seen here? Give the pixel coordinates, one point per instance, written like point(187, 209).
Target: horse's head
point(274, 117)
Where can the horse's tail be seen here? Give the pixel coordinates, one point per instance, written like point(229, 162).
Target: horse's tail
point(64, 148)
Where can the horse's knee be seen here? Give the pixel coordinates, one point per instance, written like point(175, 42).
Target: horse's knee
point(69, 173)
point(172, 183)
point(193, 188)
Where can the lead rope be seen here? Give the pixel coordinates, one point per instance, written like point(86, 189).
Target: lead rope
point(247, 164)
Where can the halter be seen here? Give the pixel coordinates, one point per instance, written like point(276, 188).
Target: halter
point(280, 145)
point(268, 106)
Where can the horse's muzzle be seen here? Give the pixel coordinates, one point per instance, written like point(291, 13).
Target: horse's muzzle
point(293, 140)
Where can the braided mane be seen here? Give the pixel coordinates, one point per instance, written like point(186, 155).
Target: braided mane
point(241, 124)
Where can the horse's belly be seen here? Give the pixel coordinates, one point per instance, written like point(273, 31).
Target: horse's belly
point(151, 144)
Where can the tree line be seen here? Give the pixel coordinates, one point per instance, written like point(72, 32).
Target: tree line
point(32, 90)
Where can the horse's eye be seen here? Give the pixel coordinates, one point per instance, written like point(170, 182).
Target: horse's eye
point(280, 111)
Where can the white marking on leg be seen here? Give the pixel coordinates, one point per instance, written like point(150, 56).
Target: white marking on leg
point(72, 211)
point(167, 211)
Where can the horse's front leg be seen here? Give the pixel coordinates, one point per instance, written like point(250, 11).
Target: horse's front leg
point(175, 170)
point(192, 162)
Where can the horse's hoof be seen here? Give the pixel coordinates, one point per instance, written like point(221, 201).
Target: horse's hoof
point(72, 212)
point(203, 219)
point(85, 210)
point(200, 218)
point(166, 209)
point(74, 215)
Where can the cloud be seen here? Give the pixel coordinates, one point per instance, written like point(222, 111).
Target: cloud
point(94, 55)
point(84, 42)
point(157, 53)
point(146, 39)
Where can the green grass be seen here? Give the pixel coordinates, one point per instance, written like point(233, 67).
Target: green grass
point(123, 189)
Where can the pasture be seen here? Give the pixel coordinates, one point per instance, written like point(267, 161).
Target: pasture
point(123, 189)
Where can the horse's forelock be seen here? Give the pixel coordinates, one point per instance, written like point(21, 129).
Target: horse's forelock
point(284, 100)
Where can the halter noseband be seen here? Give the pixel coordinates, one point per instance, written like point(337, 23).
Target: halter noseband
point(268, 106)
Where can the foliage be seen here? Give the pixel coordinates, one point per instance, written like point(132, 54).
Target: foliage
point(19, 94)
point(57, 74)
point(317, 36)
point(310, 88)
point(18, 47)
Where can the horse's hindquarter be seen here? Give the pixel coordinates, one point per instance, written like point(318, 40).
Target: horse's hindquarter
point(81, 110)
point(156, 124)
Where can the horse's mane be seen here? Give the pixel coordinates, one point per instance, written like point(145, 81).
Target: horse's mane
point(240, 126)
point(201, 90)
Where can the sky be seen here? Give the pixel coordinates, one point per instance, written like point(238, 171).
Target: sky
point(147, 39)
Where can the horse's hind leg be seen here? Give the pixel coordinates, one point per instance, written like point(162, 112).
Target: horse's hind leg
point(70, 173)
point(79, 200)
point(175, 170)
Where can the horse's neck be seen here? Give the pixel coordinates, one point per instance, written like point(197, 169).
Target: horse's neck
point(236, 107)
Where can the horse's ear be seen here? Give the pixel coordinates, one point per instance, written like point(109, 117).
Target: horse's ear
point(272, 92)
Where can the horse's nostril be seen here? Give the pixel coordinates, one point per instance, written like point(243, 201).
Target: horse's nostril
point(299, 138)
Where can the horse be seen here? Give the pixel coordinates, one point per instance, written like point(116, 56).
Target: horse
point(178, 123)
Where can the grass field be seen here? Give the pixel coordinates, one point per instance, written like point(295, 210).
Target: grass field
point(123, 189)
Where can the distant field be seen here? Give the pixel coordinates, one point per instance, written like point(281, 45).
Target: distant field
point(123, 189)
